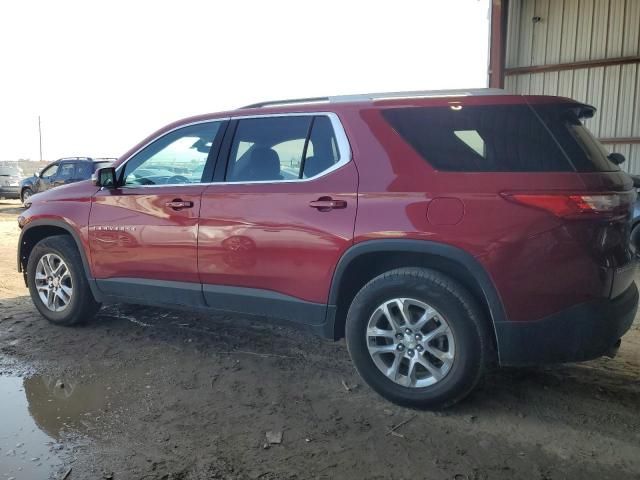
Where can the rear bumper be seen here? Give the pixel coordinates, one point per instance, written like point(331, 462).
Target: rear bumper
point(9, 192)
point(582, 332)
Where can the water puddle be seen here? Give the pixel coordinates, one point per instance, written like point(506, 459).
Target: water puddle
point(26, 451)
point(36, 413)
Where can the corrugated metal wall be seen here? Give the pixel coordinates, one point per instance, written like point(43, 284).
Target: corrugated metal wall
point(578, 30)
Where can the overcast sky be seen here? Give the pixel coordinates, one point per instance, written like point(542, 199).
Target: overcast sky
point(103, 75)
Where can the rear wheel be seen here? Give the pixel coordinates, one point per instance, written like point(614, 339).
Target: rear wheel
point(57, 282)
point(417, 337)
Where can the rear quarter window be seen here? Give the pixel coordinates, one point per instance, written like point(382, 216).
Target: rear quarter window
point(586, 153)
point(488, 138)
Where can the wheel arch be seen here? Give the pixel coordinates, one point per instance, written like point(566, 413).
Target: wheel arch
point(38, 230)
point(370, 258)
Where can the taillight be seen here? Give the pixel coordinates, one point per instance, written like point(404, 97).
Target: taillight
point(577, 204)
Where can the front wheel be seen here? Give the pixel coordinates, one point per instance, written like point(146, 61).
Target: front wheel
point(57, 282)
point(25, 195)
point(417, 337)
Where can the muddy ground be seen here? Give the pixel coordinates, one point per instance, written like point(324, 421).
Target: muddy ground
point(145, 393)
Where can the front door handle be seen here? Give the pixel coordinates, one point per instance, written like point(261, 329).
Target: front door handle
point(324, 204)
point(178, 204)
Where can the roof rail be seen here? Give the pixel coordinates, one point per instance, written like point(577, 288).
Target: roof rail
point(383, 96)
point(287, 102)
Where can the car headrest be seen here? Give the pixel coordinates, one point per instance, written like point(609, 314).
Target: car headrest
point(264, 164)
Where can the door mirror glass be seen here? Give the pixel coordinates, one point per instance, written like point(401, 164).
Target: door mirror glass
point(105, 177)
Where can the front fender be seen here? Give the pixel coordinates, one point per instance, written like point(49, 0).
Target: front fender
point(36, 230)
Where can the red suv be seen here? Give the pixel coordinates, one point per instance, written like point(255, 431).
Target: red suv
point(437, 231)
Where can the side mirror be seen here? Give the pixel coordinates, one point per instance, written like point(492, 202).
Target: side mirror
point(104, 177)
point(616, 158)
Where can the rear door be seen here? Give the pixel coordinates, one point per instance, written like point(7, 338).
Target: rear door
point(277, 219)
point(143, 235)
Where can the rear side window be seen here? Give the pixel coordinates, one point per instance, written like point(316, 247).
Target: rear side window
point(488, 138)
point(282, 148)
point(84, 170)
point(586, 153)
point(322, 150)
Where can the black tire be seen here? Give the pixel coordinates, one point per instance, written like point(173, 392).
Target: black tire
point(25, 192)
point(454, 303)
point(82, 306)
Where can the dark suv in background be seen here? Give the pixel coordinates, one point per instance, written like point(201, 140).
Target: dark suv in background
point(60, 172)
point(439, 232)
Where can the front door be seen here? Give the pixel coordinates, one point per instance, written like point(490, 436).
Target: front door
point(44, 181)
point(65, 174)
point(143, 235)
point(276, 223)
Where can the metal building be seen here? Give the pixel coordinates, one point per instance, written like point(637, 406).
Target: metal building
point(584, 49)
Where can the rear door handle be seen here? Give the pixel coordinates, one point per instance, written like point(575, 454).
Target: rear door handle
point(324, 204)
point(179, 204)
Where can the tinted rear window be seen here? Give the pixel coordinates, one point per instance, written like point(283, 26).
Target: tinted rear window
point(489, 138)
point(585, 152)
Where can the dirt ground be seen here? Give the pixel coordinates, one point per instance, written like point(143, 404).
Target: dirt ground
point(144, 393)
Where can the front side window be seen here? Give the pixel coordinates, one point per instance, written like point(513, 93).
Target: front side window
point(179, 157)
point(49, 171)
point(282, 148)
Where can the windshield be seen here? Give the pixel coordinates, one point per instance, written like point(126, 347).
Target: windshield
point(9, 171)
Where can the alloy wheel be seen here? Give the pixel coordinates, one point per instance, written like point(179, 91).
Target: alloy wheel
point(410, 342)
point(53, 282)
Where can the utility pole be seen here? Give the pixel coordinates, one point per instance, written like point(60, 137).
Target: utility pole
point(40, 136)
